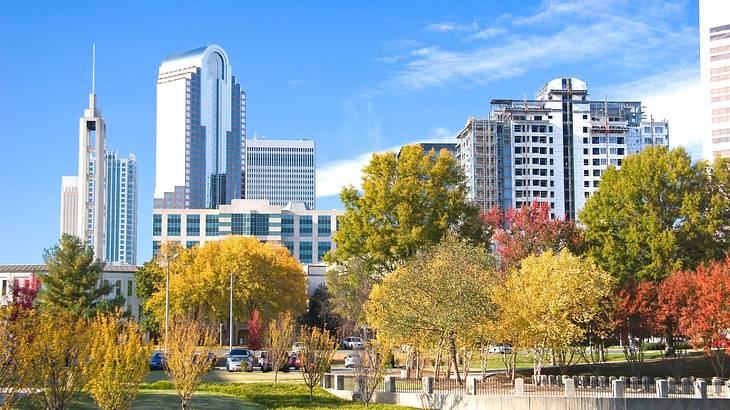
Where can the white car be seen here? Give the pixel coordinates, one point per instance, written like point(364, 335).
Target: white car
point(239, 360)
point(500, 348)
point(352, 360)
point(297, 347)
point(352, 342)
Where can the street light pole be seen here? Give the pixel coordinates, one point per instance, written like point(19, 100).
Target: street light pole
point(167, 294)
point(230, 317)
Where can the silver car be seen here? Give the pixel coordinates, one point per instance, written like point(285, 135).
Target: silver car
point(239, 360)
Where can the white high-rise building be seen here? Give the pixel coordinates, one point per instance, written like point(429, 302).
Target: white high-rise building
point(200, 131)
point(648, 133)
point(121, 209)
point(715, 72)
point(281, 171)
point(69, 204)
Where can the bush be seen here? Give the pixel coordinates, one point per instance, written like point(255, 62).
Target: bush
point(653, 346)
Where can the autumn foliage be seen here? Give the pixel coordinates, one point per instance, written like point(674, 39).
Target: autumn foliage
point(529, 230)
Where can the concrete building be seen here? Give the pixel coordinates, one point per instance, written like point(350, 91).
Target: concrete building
point(85, 194)
point(648, 133)
point(281, 171)
point(121, 209)
point(121, 278)
point(552, 149)
point(200, 131)
point(69, 204)
point(307, 234)
point(715, 73)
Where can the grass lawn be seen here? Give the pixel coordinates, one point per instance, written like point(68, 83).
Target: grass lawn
point(222, 376)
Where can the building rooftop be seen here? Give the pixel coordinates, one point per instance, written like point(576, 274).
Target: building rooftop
point(11, 268)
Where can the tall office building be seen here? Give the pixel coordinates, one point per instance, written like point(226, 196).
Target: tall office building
point(281, 171)
point(200, 131)
point(69, 204)
point(715, 72)
point(121, 209)
point(85, 195)
point(648, 133)
point(552, 149)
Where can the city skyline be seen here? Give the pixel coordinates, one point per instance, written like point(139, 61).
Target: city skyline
point(396, 89)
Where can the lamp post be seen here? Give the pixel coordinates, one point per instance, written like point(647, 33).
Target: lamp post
point(167, 292)
point(230, 317)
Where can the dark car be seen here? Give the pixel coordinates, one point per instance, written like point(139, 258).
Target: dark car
point(157, 361)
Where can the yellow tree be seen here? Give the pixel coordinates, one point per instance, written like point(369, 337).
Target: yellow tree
point(117, 362)
point(187, 355)
point(265, 277)
point(316, 355)
point(16, 327)
point(442, 295)
point(280, 339)
point(550, 303)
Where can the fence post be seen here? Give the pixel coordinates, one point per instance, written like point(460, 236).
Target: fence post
point(389, 383)
point(716, 386)
point(594, 382)
point(471, 384)
point(727, 389)
point(672, 382)
point(662, 388)
point(686, 385)
point(543, 380)
point(519, 386)
point(339, 382)
point(569, 387)
point(551, 380)
point(403, 373)
point(700, 389)
point(327, 380)
point(428, 385)
point(618, 388)
point(602, 382)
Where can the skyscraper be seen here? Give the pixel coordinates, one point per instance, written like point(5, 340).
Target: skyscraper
point(281, 171)
point(552, 149)
point(200, 131)
point(69, 204)
point(121, 209)
point(715, 72)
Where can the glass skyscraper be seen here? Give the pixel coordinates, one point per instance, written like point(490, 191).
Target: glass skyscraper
point(200, 131)
point(121, 209)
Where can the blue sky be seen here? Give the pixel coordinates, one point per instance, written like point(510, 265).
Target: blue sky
point(355, 77)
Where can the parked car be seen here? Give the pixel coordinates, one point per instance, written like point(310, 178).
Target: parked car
point(297, 347)
point(239, 360)
point(352, 342)
point(264, 362)
point(352, 360)
point(295, 361)
point(500, 348)
point(157, 361)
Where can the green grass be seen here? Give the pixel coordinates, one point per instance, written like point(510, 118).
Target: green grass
point(494, 361)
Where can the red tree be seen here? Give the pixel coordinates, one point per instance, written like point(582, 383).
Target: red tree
point(529, 230)
point(634, 317)
point(673, 295)
point(254, 331)
point(706, 317)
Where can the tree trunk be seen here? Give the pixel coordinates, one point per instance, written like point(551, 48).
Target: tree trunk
point(276, 375)
point(454, 359)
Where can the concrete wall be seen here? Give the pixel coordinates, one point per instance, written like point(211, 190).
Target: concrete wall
point(460, 402)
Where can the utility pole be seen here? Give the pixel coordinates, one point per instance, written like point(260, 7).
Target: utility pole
point(230, 317)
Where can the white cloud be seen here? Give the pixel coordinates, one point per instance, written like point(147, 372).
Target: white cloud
point(447, 26)
point(336, 174)
point(487, 33)
point(595, 30)
point(669, 95)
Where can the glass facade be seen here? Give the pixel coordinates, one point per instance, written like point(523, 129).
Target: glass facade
point(305, 225)
point(211, 225)
point(324, 225)
point(192, 225)
point(305, 252)
point(155, 248)
point(156, 225)
point(289, 245)
point(250, 224)
point(287, 225)
point(190, 244)
point(173, 225)
point(322, 249)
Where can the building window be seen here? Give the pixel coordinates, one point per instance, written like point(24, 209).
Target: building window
point(289, 245)
point(156, 225)
point(211, 225)
point(324, 225)
point(155, 248)
point(305, 252)
point(118, 287)
point(173, 225)
point(305, 226)
point(287, 226)
point(322, 249)
point(129, 287)
point(190, 244)
point(192, 225)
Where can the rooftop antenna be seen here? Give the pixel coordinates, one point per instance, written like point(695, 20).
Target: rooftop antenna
point(93, 68)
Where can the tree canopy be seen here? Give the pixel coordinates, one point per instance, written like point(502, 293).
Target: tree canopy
point(657, 214)
point(74, 280)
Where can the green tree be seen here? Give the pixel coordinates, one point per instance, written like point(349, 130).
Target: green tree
point(320, 311)
point(149, 279)
point(442, 295)
point(73, 282)
point(408, 202)
point(657, 214)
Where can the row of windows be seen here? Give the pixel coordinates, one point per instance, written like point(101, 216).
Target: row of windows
point(241, 224)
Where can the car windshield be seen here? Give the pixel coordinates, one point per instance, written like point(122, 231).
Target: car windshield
point(238, 352)
point(157, 355)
